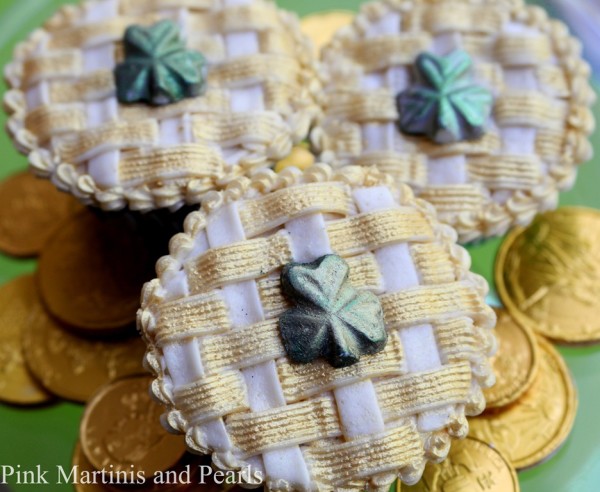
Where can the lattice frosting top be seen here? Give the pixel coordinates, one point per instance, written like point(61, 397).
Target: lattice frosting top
point(531, 145)
point(213, 323)
point(67, 79)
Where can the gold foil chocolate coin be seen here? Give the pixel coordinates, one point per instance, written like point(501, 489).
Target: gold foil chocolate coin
point(472, 465)
point(121, 430)
point(88, 479)
point(73, 367)
point(531, 430)
point(321, 27)
point(92, 271)
point(515, 364)
point(17, 386)
point(30, 210)
point(548, 275)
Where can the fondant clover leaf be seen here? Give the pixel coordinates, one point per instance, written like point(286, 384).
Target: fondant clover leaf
point(331, 318)
point(158, 69)
point(445, 103)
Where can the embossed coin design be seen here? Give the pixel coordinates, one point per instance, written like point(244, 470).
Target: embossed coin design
point(515, 364)
point(472, 465)
point(92, 271)
point(73, 367)
point(548, 275)
point(30, 209)
point(321, 27)
point(17, 386)
point(531, 430)
point(121, 430)
point(179, 478)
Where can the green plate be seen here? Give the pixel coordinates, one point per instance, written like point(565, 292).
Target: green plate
point(46, 436)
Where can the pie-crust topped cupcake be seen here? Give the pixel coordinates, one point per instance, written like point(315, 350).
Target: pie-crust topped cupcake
point(481, 106)
point(320, 329)
point(152, 103)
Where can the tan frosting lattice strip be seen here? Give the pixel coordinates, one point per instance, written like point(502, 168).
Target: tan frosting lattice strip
point(523, 50)
point(433, 263)
point(490, 143)
point(238, 262)
point(229, 128)
point(265, 213)
point(212, 397)
point(190, 317)
point(57, 65)
point(47, 121)
point(426, 304)
point(97, 33)
point(129, 7)
point(400, 397)
point(515, 172)
point(529, 109)
point(362, 457)
point(454, 199)
point(405, 168)
point(117, 135)
point(460, 16)
point(458, 340)
point(255, 68)
point(195, 160)
point(97, 85)
point(385, 51)
point(214, 100)
point(251, 17)
point(364, 232)
point(243, 348)
point(363, 107)
point(298, 423)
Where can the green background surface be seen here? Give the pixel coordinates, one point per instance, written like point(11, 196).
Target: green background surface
point(46, 436)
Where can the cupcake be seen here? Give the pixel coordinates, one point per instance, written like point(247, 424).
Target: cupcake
point(318, 331)
point(481, 106)
point(150, 104)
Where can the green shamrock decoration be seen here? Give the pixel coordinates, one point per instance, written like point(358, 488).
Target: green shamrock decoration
point(445, 104)
point(158, 69)
point(331, 318)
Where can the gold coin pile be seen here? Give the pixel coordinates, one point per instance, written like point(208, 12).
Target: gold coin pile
point(546, 276)
point(68, 332)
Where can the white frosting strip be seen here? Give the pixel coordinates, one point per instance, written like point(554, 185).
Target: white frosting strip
point(184, 360)
point(104, 168)
point(519, 140)
point(262, 381)
point(357, 403)
point(521, 79)
point(399, 272)
point(378, 136)
point(447, 170)
point(37, 95)
point(444, 44)
point(387, 24)
point(99, 58)
point(242, 44)
point(101, 10)
point(359, 410)
point(308, 238)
